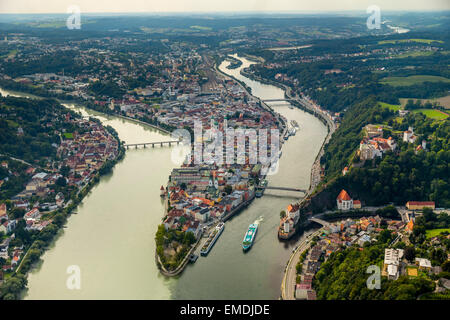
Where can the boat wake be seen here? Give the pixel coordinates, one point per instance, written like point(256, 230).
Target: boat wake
point(259, 220)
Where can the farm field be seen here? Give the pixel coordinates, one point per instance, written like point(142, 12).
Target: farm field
point(444, 101)
point(428, 41)
point(433, 114)
point(413, 54)
point(411, 80)
point(430, 113)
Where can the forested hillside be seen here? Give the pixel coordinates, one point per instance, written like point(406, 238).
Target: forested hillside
point(28, 128)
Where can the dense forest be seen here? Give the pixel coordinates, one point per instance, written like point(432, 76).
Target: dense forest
point(28, 127)
point(51, 63)
point(13, 178)
point(108, 89)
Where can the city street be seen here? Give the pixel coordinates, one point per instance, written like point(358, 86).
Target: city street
point(290, 274)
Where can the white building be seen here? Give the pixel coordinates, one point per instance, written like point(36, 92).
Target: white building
point(344, 202)
point(392, 259)
point(424, 264)
point(408, 136)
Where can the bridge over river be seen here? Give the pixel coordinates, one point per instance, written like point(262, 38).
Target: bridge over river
point(277, 100)
point(145, 144)
point(285, 189)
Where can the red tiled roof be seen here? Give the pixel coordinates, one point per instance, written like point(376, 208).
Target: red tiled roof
point(343, 196)
point(420, 203)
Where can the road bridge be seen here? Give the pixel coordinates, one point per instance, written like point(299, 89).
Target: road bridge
point(277, 100)
point(145, 144)
point(320, 221)
point(285, 189)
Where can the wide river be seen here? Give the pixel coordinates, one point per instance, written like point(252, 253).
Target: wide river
point(111, 238)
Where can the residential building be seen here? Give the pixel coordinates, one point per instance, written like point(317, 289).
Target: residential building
point(345, 202)
point(408, 136)
point(420, 205)
point(391, 265)
point(424, 264)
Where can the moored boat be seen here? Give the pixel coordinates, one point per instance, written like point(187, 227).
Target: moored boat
point(260, 189)
point(213, 236)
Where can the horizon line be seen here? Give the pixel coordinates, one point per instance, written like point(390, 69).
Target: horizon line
point(230, 12)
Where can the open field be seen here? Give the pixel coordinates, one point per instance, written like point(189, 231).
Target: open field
point(428, 41)
point(411, 80)
point(413, 54)
point(393, 107)
point(201, 28)
point(432, 113)
point(434, 232)
point(68, 135)
point(290, 48)
point(444, 101)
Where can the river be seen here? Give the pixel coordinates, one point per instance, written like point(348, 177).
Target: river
point(111, 238)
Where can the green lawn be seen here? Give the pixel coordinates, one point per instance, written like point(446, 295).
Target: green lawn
point(434, 232)
point(433, 114)
point(393, 107)
point(411, 80)
point(68, 135)
point(430, 113)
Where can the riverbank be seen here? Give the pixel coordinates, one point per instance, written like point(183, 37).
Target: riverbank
point(249, 92)
point(117, 219)
point(45, 239)
point(83, 104)
point(315, 169)
point(118, 216)
point(73, 204)
point(315, 173)
point(267, 254)
point(290, 272)
point(179, 268)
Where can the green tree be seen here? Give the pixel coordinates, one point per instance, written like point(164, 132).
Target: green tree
point(446, 266)
point(385, 236)
point(410, 253)
point(61, 181)
point(189, 238)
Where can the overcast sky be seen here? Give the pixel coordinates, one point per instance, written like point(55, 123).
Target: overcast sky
point(60, 6)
